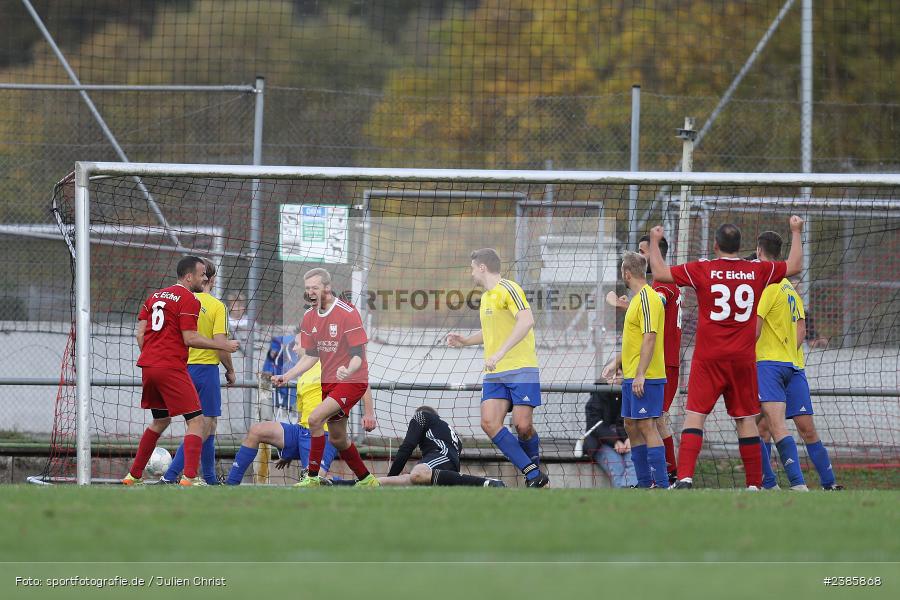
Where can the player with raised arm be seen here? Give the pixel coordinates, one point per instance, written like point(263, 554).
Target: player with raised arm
point(332, 333)
point(440, 448)
point(776, 350)
point(512, 378)
point(168, 391)
point(724, 363)
point(203, 367)
point(671, 298)
point(644, 371)
point(798, 406)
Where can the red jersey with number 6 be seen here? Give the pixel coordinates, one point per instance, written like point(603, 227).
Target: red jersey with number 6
point(332, 334)
point(728, 291)
point(671, 297)
point(168, 312)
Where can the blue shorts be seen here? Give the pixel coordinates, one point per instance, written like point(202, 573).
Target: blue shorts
point(773, 380)
point(521, 387)
point(799, 401)
point(206, 380)
point(297, 442)
point(650, 405)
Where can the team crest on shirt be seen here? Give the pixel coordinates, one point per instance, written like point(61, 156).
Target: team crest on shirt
point(332, 330)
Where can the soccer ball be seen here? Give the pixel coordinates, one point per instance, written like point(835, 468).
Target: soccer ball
point(159, 461)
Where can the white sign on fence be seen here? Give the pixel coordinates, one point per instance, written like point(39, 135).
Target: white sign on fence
point(311, 232)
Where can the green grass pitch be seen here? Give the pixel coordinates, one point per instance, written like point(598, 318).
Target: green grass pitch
point(454, 542)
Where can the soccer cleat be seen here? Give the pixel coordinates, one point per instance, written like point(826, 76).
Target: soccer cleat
point(494, 483)
point(673, 477)
point(310, 481)
point(541, 481)
point(368, 481)
point(833, 488)
point(769, 489)
point(682, 484)
point(799, 488)
point(752, 488)
point(192, 481)
point(161, 481)
point(131, 480)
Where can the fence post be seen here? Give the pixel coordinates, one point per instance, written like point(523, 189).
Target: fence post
point(253, 276)
point(634, 164)
point(687, 135)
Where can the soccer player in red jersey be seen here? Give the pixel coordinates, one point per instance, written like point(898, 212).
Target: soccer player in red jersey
point(332, 332)
point(167, 327)
point(728, 289)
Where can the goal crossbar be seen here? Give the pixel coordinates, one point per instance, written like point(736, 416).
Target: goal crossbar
point(84, 170)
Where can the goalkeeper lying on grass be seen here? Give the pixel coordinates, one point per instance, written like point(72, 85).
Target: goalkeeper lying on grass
point(440, 448)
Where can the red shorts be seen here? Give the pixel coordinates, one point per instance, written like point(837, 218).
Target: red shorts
point(671, 387)
point(346, 395)
point(735, 380)
point(169, 389)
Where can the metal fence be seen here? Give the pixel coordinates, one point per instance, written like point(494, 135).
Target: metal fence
point(44, 131)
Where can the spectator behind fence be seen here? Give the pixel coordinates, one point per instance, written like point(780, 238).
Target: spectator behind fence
point(282, 356)
point(608, 444)
point(236, 303)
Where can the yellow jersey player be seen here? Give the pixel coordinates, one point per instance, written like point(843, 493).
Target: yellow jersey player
point(644, 374)
point(783, 388)
point(511, 375)
point(776, 349)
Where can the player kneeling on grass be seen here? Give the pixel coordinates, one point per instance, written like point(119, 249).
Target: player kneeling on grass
point(644, 371)
point(440, 455)
point(292, 440)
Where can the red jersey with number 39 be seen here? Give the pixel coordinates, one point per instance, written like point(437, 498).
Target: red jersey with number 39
point(671, 297)
point(168, 312)
point(728, 291)
point(332, 334)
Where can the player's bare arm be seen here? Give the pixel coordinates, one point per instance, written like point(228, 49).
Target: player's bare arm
point(456, 340)
point(225, 359)
point(352, 367)
point(524, 324)
point(648, 341)
point(612, 368)
point(617, 301)
point(193, 339)
point(795, 257)
point(303, 365)
point(141, 329)
point(801, 332)
point(369, 423)
point(759, 326)
point(658, 266)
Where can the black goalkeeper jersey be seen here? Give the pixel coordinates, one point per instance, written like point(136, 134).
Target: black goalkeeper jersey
point(438, 442)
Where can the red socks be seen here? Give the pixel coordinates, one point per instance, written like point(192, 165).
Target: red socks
point(669, 444)
point(192, 445)
point(354, 461)
point(145, 449)
point(316, 451)
point(688, 451)
point(752, 459)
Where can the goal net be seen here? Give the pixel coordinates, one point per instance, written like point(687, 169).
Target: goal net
point(398, 245)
